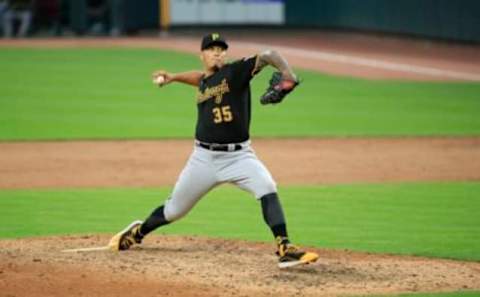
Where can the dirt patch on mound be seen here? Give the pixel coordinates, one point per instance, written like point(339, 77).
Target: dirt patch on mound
point(195, 266)
point(291, 161)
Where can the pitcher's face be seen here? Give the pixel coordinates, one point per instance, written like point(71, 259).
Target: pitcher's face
point(213, 58)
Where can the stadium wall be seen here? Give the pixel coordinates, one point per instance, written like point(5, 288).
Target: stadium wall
point(440, 19)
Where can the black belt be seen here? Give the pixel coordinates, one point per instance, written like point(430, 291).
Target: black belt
point(220, 147)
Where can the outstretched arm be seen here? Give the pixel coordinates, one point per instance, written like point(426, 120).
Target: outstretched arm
point(191, 77)
point(273, 58)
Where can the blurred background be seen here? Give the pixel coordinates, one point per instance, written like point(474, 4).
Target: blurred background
point(433, 19)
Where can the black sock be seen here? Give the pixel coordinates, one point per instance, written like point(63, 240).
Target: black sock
point(155, 220)
point(273, 215)
point(280, 231)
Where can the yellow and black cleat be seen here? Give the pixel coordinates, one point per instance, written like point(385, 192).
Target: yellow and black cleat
point(290, 255)
point(124, 239)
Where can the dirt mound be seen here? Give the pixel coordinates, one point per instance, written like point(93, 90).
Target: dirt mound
point(195, 266)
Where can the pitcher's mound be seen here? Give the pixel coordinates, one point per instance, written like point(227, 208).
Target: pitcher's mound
point(195, 266)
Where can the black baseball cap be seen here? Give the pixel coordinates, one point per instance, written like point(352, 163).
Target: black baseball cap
point(213, 39)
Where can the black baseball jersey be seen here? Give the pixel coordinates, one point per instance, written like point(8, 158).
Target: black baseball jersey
point(224, 104)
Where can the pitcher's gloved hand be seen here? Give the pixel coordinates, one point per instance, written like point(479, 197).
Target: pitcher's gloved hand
point(278, 88)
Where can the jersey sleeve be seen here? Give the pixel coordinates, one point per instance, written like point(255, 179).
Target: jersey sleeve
point(244, 69)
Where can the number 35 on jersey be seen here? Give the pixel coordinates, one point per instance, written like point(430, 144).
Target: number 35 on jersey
point(222, 114)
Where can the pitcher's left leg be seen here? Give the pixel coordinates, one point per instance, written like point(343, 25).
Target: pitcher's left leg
point(253, 176)
point(249, 173)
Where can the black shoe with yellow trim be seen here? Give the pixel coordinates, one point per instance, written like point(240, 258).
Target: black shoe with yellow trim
point(127, 237)
point(290, 255)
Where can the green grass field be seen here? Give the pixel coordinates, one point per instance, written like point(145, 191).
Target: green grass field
point(434, 220)
point(69, 94)
point(107, 93)
point(454, 294)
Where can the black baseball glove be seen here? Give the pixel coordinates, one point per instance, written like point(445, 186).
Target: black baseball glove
point(278, 88)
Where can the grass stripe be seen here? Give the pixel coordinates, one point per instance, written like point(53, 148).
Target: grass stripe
point(107, 94)
point(449, 294)
point(434, 220)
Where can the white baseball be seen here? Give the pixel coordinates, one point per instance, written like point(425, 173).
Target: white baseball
point(159, 79)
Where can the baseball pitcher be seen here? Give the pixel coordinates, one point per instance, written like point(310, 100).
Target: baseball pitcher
point(222, 151)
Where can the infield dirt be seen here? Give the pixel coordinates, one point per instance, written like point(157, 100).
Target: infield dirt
point(195, 266)
point(291, 161)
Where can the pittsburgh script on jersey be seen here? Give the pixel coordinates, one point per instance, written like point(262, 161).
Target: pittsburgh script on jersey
point(216, 91)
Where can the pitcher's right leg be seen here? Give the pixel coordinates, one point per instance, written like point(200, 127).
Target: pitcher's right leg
point(196, 179)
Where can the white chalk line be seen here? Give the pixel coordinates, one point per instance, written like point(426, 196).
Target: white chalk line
point(88, 249)
point(366, 62)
